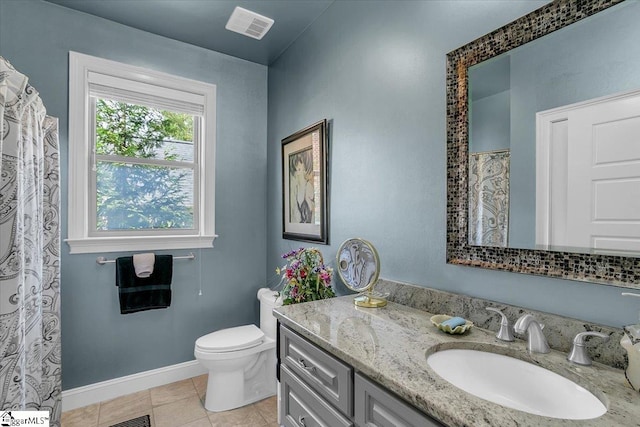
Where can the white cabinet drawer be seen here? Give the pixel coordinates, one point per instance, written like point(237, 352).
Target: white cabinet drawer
point(376, 407)
point(300, 406)
point(328, 376)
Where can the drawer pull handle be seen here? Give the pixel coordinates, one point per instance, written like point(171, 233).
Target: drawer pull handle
point(305, 366)
point(301, 421)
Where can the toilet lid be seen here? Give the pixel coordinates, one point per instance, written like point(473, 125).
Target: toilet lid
point(231, 339)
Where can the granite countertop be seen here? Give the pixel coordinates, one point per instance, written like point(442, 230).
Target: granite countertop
point(390, 345)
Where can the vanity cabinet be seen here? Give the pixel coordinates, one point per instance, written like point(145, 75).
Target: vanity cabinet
point(318, 389)
point(301, 406)
point(327, 375)
point(376, 407)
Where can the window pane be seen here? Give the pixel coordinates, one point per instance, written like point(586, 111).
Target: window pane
point(142, 197)
point(139, 131)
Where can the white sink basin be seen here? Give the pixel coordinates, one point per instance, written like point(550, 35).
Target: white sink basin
point(515, 384)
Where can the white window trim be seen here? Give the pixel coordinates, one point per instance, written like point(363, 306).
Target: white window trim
point(80, 157)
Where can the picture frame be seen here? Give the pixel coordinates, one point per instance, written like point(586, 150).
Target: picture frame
point(304, 185)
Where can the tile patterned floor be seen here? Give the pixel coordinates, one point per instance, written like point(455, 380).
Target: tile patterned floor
point(178, 404)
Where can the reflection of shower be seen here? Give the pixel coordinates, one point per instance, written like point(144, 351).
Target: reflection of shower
point(489, 198)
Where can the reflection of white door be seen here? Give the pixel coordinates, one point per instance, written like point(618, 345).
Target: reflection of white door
point(593, 162)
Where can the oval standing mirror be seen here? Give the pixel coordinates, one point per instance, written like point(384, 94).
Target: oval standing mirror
point(359, 268)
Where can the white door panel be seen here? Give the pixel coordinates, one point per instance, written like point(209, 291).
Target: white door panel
point(603, 179)
point(617, 141)
point(617, 244)
point(606, 200)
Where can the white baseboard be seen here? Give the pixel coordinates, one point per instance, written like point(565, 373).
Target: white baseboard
point(110, 389)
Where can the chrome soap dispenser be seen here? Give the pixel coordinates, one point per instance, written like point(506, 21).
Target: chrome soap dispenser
point(631, 342)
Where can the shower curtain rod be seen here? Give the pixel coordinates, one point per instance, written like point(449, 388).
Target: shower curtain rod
point(102, 260)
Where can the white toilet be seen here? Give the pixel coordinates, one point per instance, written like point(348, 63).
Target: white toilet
point(242, 360)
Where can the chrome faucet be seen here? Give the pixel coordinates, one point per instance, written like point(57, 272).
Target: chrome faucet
point(506, 330)
point(537, 341)
point(578, 354)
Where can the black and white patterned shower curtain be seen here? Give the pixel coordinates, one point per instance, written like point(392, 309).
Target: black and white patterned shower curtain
point(30, 375)
point(489, 198)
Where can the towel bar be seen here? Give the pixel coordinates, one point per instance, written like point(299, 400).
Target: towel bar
point(102, 260)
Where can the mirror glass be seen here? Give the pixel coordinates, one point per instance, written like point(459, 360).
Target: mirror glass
point(554, 140)
point(612, 143)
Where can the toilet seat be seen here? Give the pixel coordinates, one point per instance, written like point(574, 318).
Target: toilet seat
point(230, 339)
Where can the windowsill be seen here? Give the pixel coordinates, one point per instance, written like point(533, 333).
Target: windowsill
point(138, 243)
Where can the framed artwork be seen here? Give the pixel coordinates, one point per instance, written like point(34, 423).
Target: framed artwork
point(304, 185)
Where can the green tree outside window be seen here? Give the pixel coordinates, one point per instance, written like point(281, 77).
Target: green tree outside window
point(134, 196)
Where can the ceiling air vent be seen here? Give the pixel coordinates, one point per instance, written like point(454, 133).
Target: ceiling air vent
point(249, 23)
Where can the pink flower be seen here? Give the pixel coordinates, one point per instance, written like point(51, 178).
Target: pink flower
point(303, 276)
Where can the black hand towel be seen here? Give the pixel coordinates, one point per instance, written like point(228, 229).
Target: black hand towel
point(139, 294)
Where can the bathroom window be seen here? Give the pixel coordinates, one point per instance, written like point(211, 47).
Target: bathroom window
point(141, 158)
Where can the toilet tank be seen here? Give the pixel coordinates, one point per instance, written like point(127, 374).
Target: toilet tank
point(268, 300)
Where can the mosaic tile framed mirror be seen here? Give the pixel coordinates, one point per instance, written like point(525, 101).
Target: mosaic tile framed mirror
point(506, 207)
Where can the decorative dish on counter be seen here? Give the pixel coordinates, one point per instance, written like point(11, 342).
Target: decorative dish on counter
point(439, 322)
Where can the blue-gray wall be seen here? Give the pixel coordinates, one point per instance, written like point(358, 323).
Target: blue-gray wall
point(490, 105)
point(490, 123)
point(378, 73)
point(97, 342)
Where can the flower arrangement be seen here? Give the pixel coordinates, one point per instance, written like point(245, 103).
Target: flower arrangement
point(305, 277)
